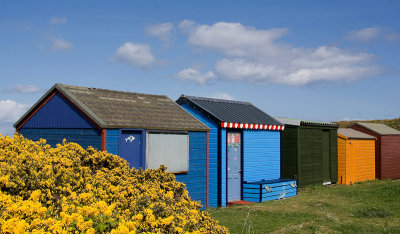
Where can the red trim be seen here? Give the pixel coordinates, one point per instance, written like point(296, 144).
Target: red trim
point(252, 126)
point(207, 172)
point(103, 139)
point(36, 110)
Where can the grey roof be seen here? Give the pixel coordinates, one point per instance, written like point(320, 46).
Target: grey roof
point(353, 134)
point(287, 121)
point(298, 122)
point(379, 128)
point(117, 109)
point(229, 111)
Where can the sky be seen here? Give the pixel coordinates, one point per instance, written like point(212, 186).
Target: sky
point(312, 60)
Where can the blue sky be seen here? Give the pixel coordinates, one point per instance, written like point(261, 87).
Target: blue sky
point(315, 60)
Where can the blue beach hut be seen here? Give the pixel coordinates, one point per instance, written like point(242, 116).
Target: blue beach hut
point(244, 151)
point(147, 130)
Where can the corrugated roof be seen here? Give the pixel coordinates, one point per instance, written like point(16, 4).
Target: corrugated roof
point(117, 109)
point(230, 111)
point(353, 134)
point(379, 128)
point(287, 121)
point(298, 122)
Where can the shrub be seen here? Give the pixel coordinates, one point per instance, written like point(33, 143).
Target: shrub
point(69, 189)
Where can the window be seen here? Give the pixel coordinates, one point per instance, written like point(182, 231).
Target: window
point(170, 149)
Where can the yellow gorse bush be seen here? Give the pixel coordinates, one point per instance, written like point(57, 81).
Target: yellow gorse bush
point(68, 189)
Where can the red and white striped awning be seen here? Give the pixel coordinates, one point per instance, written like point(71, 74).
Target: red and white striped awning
point(253, 126)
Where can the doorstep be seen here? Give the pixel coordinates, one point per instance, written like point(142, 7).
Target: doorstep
point(240, 202)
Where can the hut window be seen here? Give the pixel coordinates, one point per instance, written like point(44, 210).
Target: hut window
point(170, 149)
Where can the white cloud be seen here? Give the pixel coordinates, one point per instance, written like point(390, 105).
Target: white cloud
point(23, 89)
point(134, 55)
point(224, 96)
point(58, 20)
point(186, 25)
point(196, 76)
point(364, 35)
point(257, 56)
point(161, 31)
point(59, 44)
point(11, 110)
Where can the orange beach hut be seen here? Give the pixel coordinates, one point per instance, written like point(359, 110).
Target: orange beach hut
point(356, 156)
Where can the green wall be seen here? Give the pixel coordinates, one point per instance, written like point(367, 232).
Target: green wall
point(302, 154)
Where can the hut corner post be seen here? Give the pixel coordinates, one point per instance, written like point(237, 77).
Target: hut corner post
point(207, 170)
point(103, 139)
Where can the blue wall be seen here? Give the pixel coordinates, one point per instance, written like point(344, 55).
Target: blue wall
point(84, 137)
point(212, 155)
point(261, 155)
point(195, 179)
point(112, 136)
point(58, 113)
point(224, 195)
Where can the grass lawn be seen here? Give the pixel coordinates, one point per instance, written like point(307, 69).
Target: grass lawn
point(368, 207)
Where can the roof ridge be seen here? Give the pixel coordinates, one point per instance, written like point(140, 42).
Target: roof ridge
point(218, 100)
point(111, 90)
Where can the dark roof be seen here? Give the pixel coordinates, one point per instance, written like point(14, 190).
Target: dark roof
point(298, 122)
point(353, 134)
point(116, 109)
point(229, 111)
point(379, 128)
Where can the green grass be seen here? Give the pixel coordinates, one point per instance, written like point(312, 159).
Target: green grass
point(368, 207)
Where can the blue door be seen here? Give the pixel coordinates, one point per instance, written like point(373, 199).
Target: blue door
point(130, 148)
point(234, 166)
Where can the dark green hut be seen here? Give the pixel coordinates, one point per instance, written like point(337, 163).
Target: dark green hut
point(309, 152)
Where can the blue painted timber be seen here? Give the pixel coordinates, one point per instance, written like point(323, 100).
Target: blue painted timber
point(58, 113)
point(112, 137)
point(224, 195)
point(266, 190)
point(195, 179)
point(83, 137)
point(261, 155)
point(132, 147)
point(212, 154)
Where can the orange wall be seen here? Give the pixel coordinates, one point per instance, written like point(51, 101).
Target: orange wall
point(356, 160)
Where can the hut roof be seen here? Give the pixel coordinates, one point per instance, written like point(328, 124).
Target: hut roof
point(117, 109)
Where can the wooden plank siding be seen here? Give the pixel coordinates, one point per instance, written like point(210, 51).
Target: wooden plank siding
point(289, 143)
point(212, 154)
point(387, 154)
point(356, 159)
point(390, 157)
point(302, 154)
point(310, 156)
point(112, 141)
point(342, 161)
point(83, 137)
point(377, 148)
point(261, 155)
point(195, 178)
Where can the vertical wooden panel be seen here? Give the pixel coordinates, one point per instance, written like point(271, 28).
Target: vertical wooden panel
point(195, 178)
point(377, 148)
point(261, 155)
point(58, 113)
point(342, 157)
point(83, 137)
point(212, 154)
point(390, 157)
point(289, 144)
